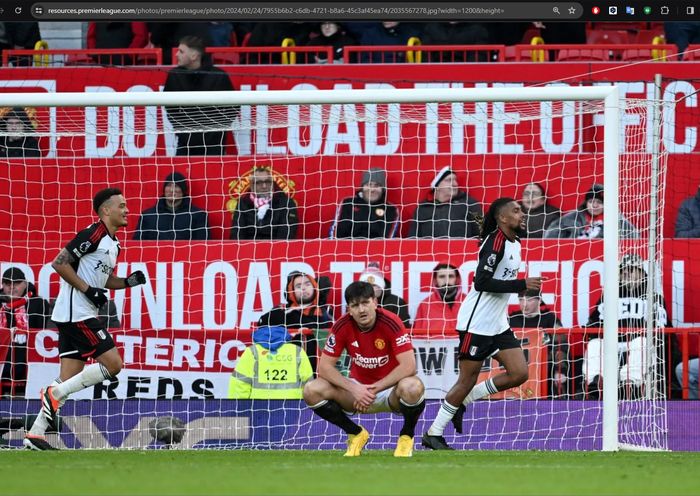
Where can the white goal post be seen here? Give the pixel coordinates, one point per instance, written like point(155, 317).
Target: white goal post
point(609, 95)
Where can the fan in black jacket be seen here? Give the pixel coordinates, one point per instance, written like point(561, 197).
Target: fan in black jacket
point(195, 72)
point(264, 212)
point(367, 214)
point(16, 136)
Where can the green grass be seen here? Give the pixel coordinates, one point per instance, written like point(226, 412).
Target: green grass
point(327, 473)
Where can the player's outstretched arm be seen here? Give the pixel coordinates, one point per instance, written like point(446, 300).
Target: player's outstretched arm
point(133, 279)
point(405, 368)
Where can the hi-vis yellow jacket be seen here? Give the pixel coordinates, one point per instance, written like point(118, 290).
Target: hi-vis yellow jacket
point(260, 374)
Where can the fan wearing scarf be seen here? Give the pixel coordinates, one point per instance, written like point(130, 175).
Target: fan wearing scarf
point(20, 311)
point(264, 212)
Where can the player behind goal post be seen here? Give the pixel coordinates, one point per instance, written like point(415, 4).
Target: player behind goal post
point(482, 321)
point(382, 374)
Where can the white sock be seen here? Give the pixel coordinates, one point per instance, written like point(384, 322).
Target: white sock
point(41, 423)
point(481, 390)
point(91, 375)
point(443, 418)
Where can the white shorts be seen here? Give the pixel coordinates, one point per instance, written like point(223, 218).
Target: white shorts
point(381, 402)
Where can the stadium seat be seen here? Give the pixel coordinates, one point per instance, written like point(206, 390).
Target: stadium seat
point(605, 37)
point(582, 54)
point(637, 54)
point(692, 53)
point(648, 35)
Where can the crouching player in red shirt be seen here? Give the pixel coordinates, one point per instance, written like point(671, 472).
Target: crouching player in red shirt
point(382, 374)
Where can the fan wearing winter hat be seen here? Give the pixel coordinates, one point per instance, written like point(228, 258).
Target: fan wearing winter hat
point(586, 222)
point(367, 214)
point(173, 217)
point(382, 291)
point(450, 213)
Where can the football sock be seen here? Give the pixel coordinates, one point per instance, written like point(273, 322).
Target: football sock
point(443, 418)
point(481, 390)
point(410, 416)
point(91, 375)
point(330, 410)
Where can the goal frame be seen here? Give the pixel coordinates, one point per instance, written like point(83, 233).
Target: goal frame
point(610, 95)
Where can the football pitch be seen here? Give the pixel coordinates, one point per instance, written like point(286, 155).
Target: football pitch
point(328, 473)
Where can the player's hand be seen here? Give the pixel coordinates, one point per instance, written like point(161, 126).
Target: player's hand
point(135, 279)
point(533, 283)
point(364, 396)
point(98, 296)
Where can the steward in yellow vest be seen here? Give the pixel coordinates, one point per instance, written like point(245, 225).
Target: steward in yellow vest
point(271, 368)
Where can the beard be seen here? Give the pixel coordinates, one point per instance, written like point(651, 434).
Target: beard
point(448, 294)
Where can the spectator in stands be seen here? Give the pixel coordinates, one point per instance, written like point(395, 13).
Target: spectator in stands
point(304, 316)
point(384, 33)
point(456, 33)
point(20, 311)
point(264, 212)
point(367, 214)
point(173, 217)
point(220, 33)
point(586, 222)
point(272, 34)
point(692, 377)
point(438, 312)
point(116, 35)
point(271, 368)
point(194, 72)
point(382, 290)
point(682, 34)
point(534, 314)
point(19, 35)
point(332, 35)
point(540, 214)
point(167, 35)
point(17, 139)
point(450, 214)
point(688, 220)
point(632, 346)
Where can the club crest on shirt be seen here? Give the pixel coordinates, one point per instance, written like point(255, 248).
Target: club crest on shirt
point(379, 344)
point(491, 260)
point(84, 246)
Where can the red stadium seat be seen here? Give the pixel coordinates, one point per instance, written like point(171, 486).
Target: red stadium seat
point(606, 36)
point(582, 54)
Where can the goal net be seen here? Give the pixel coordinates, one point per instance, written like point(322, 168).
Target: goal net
point(182, 335)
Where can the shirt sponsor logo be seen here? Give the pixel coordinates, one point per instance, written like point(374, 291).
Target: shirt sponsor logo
point(77, 253)
point(102, 335)
point(403, 340)
point(370, 362)
point(486, 267)
point(379, 344)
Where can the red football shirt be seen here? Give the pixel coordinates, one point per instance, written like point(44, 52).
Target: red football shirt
point(373, 352)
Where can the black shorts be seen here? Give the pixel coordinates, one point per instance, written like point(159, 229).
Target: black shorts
point(83, 340)
point(478, 348)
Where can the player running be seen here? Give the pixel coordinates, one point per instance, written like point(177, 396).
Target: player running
point(482, 321)
point(382, 374)
point(85, 266)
